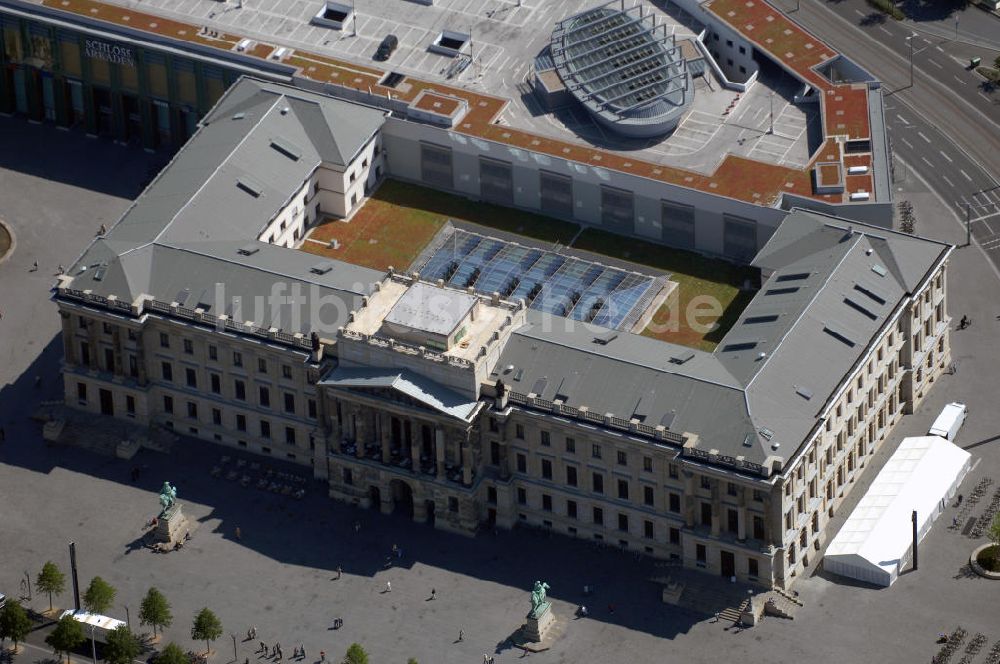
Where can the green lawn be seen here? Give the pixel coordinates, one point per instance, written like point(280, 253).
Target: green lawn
point(695, 275)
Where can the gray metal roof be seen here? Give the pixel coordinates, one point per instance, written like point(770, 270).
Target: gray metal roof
point(833, 288)
point(430, 309)
point(424, 390)
point(191, 235)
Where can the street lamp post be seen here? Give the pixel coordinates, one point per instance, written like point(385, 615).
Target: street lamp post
point(910, 40)
point(956, 27)
point(128, 619)
point(770, 99)
point(93, 645)
point(354, 20)
point(234, 647)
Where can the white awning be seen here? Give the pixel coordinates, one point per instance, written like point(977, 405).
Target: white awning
point(876, 540)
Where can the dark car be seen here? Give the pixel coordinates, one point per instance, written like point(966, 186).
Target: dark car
point(386, 48)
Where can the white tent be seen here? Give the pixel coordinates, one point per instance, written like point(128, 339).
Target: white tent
point(876, 541)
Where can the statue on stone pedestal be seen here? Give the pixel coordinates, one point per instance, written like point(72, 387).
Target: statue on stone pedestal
point(538, 596)
point(168, 496)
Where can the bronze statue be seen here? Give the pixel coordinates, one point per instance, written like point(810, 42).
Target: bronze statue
point(168, 496)
point(538, 596)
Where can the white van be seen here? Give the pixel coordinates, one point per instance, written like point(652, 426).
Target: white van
point(949, 421)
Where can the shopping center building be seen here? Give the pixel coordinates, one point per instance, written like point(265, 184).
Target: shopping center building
point(197, 312)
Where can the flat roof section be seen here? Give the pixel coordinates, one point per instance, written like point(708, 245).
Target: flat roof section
point(429, 309)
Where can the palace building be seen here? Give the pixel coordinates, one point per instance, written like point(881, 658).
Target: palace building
point(466, 406)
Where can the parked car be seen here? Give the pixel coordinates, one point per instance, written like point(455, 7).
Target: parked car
point(386, 48)
point(949, 421)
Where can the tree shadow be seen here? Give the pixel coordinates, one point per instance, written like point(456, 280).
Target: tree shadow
point(872, 19)
point(966, 572)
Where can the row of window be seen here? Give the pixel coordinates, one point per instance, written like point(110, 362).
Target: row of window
point(240, 420)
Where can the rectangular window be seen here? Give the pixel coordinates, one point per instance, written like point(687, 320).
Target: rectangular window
point(617, 210)
point(545, 439)
point(647, 529)
point(311, 409)
point(286, 372)
point(598, 483)
point(213, 353)
point(164, 340)
point(133, 366)
point(191, 377)
point(522, 463)
point(240, 390)
point(622, 458)
point(672, 471)
point(130, 404)
point(216, 381)
point(237, 358)
point(571, 475)
point(192, 409)
point(758, 527)
point(546, 469)
point(522, 496)
point(706, 482)
point(546, 502)
point(167, 370)
point(261, 365)
point(290, 435)
point(739, 237)
point(216, 417)
point(571, 509)
point(623, 489)
point(598, 516)
point(675, 536)
point(265, 429)
point(647, 495)
point(265, 396)
point(168, 404)
point(496, 181)
point(241, 422)
point(706, 514)
point(677, 225)
point(436, 166)
point(519, 431)
point(675, 503)
point(595, 451)
point(647, 464)
point(556, 194)
point(753, 567)
point(758, 496)
point(289, 402)
point(623, 522)
point(700, 553)
point(81, 392)
point(732, 489)
point(571, 445)
point(452, 504)
point(188, 347)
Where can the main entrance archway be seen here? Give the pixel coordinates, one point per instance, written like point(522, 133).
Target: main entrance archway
point(402, 498)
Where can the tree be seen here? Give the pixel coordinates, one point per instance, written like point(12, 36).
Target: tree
point(99, 596)
point(994, 532)
point(172, 654)
point(206, 628)
point(121, 646)
point(356, 655)
point(14, 623)
point(155, 610)
point(412, 660)
point(996, 62)
point(67, 635)
point(51, 580)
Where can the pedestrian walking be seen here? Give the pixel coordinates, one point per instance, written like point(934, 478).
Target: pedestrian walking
point(388, 586)
point(295, 652)
point(322, 656)
point(340, 571)
point(461, 635)
point(302, 652)
point(34, 267)
point(486, 659)
point(263, 648)
point(239, 534)
point(433, 593)
point(399, 552)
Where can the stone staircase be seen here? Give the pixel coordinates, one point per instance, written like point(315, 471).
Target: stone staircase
point(705, 594)
point(781, 605)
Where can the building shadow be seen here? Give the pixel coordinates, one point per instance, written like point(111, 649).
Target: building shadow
point(29, 148)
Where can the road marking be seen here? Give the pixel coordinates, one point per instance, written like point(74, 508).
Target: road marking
point(924, 159)
point(921, 135)
point(939, 48)
point(902, 119)
point(963, 82)
point(907, 143)
point(859, 13)
point(985, 96)
point(885, 31)
point(966, 175)
point(950, 160)
point(945, 178)
point(935, 63)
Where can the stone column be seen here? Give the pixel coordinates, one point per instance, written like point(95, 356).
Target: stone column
point(362, 434)
point(116, 341)
point(140, 358)
point(69, 342)
point(336, 430)
point(95, 362)
point(716, 508)
point(741, 515)
point(466, 451)
point(415, 445)
point(689, 500)
point(439, 450)
point(385, 436)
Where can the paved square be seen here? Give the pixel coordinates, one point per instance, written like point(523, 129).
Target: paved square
point(56, 188)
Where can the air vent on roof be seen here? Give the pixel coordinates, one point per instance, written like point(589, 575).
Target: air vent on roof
point(204, 306)
point(795, 276)
point(606, 337)
point(182, 296)
point(248, 250)
point(668, 419)
point(286, 148)
point(518, 375)
point(681, 356)
point(739, 345)
point(321, 268)
point(539, 386)
point(839, 336)
point(859, 308)
point(804, 392)
point(765, 433)
point(99, 274)
point(781, 291)
point(870, 293)
point(879, 270)
point(748, 440)
point(239, 116)
point(766, 318)
point(249, 186)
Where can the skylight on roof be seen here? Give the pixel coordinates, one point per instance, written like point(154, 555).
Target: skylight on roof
point(781, 291)
point(740, 345)
point(764, 318)
point(322, 268)
point(682, 356)
point(870, 293)
point(859, 308)
point(286, 148)
point(804, 392)
point(794, 276)
point(879, 270)
point(839, 336)
point(249, 186)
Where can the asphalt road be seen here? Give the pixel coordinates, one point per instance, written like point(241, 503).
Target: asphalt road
point(946, 94)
